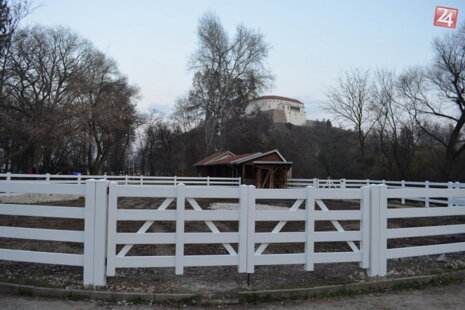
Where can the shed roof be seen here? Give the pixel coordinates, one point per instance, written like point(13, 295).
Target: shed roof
point(224, 158)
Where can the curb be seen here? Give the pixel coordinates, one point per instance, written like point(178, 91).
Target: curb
point(244, 296)
point(29, 290)
point(328, 290)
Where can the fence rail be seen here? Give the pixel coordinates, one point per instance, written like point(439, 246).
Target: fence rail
point(123, 179)
point(374, 206)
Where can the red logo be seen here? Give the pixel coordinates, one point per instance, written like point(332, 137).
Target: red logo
point(446, 17)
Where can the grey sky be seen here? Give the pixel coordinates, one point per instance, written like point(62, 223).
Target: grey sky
point(312, 41)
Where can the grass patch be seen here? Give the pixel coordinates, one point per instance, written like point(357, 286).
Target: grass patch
point(76, 297)
point(24, 292)
point(137, 301)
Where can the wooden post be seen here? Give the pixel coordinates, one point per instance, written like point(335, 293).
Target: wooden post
point(271, 171)
point(259, 177)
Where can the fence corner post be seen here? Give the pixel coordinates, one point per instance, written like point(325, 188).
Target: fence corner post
point(251, 229)
point(243, 216)
point(309, 227)
point(180, 220)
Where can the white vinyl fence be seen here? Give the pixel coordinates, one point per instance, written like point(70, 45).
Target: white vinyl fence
point(246, 248)
point(93, 237)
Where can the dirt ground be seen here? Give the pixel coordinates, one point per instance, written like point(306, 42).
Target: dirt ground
point(225, 281)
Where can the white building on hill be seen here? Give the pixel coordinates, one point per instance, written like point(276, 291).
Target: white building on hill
point(281, 109)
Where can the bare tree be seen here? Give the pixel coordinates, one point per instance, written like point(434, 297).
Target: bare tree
point(396, 132)
point(351, 101)
point(437, 95)
point(39, 103)
point(227, 74)
point(187, 119)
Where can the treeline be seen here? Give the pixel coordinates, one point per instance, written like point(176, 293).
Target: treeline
point(63, 103)
point(320, 151)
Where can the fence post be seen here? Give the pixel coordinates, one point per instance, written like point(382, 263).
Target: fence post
point(373, 270)
point(47, 177)
point(180, 206)
point(126, 179)
point(175, 181)
point(383, 230)
point(95, 232)
point(251, 230)
point(243, 206)
point(456, 199)
point(367, 181)
point(403, 186)
point(449, 200)
point(79, 179)
point(111, 228)
point(309, 227)
point(427, 198)
point(343, 183)
point(100, 242)
point(316, 183)
point(208, 181)
point(8, 178)
point(365, 227)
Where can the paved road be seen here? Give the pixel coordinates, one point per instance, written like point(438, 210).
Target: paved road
point(446, 297)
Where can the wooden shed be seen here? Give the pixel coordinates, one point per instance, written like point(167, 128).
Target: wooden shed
point(264, 170)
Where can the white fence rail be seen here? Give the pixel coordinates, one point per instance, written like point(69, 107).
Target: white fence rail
point(373, 207)
point(123, 179)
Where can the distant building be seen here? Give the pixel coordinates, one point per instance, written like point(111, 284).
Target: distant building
point(264, 170)
point(280, 109)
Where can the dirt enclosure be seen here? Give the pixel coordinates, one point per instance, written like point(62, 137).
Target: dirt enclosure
point(216, 280)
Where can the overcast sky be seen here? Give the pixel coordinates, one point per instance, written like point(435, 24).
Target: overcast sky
point(312, 41)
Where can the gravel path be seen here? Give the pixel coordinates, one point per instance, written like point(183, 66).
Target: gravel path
point(35, 198)
point(446, 297)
